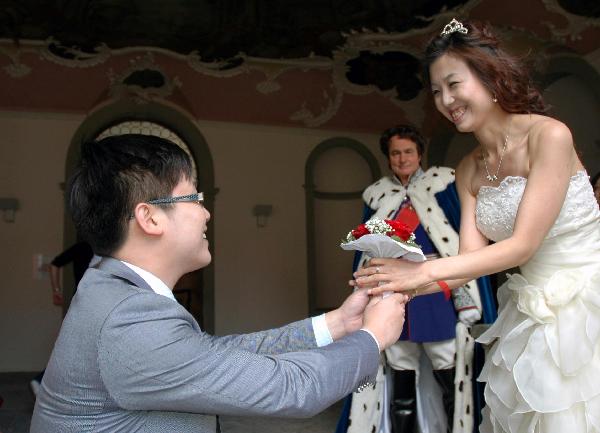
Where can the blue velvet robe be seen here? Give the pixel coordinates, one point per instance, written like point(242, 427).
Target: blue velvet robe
point(450, 204)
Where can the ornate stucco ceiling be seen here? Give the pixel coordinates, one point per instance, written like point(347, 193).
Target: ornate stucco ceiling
point(344, 49)
point(216, 30)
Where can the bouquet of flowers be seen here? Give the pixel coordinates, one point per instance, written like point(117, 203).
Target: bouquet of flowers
point(384, 238)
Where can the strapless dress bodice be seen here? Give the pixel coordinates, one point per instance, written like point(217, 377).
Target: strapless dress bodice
point(497, 207)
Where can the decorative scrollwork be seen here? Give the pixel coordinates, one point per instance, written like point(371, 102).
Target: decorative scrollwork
point(15, 68)
point(74, 57)
point(577, 24)
point(312, 120)
point(144, 80)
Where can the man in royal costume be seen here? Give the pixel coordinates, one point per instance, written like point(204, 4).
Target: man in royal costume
point(427, 202)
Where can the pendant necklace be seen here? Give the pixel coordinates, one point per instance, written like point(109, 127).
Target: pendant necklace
point(490, 177)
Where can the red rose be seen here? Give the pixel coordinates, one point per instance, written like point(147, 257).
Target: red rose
point(399, 229)
point(359, 231)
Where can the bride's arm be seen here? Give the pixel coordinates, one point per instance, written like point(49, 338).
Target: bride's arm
point(552, 161)
point(471, 238)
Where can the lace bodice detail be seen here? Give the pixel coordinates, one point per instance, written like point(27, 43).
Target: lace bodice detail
point(497, 207)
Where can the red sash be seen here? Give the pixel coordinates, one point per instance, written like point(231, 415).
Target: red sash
point(408, 216)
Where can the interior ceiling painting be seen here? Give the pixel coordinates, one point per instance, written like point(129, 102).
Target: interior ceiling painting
point(304, 63)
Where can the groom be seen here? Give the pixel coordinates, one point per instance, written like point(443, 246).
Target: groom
point(130, 358)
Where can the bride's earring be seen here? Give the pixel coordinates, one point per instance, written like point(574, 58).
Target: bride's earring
point(494, 99)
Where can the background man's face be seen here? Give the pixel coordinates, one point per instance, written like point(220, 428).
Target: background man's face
point(404, 157)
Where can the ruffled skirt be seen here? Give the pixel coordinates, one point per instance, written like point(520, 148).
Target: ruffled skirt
point(543, 369)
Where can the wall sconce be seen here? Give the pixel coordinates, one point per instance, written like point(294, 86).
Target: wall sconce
point(262, 212)
point(8, 206)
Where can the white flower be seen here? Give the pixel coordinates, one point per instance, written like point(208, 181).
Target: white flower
point(377, 226)
point(563, 286)
point(559, 290)
point(530, 299)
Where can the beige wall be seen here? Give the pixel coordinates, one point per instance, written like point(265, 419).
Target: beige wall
point(32, 156)
point(260, 274)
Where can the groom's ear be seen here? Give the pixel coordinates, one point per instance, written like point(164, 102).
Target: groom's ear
point(149, 219)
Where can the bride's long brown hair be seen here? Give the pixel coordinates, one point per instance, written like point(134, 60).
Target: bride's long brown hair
point(501, 73)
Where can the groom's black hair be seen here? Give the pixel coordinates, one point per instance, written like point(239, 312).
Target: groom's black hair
point(113, 176)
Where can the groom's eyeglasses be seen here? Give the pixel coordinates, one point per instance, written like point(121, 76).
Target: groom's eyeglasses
point(196, 197)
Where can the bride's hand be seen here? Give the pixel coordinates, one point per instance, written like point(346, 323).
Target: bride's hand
point(394, 275)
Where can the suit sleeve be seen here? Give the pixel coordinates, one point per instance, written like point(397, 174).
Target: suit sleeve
point(293, 337)
point(152, 357)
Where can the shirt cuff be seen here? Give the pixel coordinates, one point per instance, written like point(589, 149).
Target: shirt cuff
point(372, 335)
point(322, 334)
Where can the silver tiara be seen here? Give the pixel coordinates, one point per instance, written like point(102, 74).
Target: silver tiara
point(454, 26)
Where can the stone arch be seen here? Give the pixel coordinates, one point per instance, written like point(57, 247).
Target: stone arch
point(317, 194)
point(572, 88)
point(184, 126)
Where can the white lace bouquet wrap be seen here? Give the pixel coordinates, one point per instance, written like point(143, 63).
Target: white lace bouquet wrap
point(384, 238)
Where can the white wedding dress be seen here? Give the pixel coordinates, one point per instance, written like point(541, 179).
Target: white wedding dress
point(543, 369)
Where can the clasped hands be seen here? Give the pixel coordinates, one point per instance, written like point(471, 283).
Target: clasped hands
point(366, 308)
point(391, 275)
point(382, 275)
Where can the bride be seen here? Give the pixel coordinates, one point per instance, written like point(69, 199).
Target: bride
point(525, 189)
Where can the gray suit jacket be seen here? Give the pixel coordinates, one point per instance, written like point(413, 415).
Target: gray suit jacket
point(130, 360)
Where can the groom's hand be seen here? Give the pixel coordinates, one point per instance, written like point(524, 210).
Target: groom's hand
point(348, 318)
point(384, 318)
point(360, 310)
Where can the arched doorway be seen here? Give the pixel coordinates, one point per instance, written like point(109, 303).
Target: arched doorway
point(337, 171)
point(571, 86)
point(154, 116)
